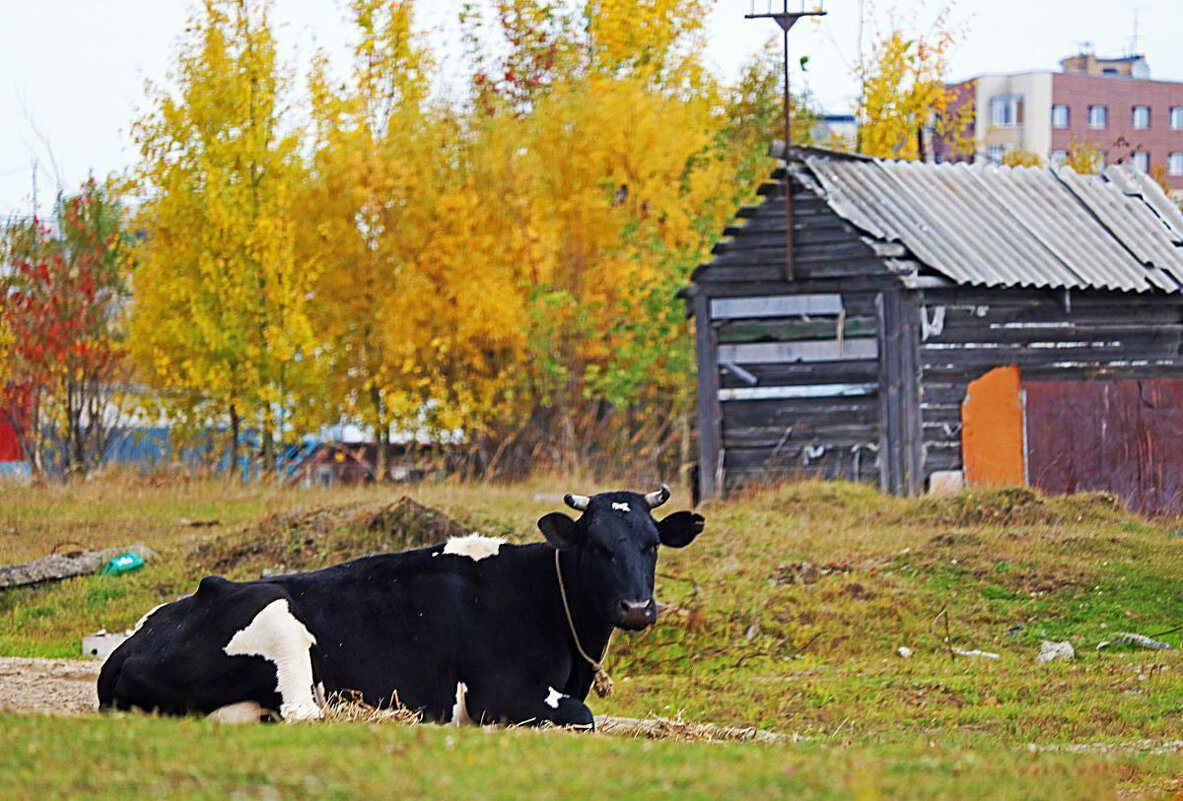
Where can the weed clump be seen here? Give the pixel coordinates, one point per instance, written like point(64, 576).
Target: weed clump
point(1005, 506)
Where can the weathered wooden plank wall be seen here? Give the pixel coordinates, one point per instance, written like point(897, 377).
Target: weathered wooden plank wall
point(822, 367)
point(789, 373)
point(965, 332)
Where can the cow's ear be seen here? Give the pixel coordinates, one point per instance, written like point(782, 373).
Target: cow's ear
point(559, 530)
point(679, 529)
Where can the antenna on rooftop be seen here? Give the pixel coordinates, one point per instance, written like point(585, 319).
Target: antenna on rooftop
point(785, 19)
point(1135, 40)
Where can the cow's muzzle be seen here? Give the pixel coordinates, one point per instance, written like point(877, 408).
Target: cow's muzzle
point(637, 614)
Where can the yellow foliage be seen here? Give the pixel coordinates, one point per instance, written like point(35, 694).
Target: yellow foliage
point(1021, 157)
point(425, 268)
point(1159, 173)
point(1084, 156)
point(903, 91)
point(5, 351)
point(220, 320)
point(646, 37)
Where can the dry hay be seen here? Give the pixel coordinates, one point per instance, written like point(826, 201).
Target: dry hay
point(350, 708)
point(685, 731)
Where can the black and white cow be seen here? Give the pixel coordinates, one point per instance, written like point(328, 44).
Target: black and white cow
point(474, 629)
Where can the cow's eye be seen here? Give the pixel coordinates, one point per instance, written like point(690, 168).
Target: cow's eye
point(596, 549)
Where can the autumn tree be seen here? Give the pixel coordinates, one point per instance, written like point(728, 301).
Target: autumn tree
point(903, 93)
point(220, 322)
point(595, 186)
point(502, 272)
point(381, 157)
point(62, 294)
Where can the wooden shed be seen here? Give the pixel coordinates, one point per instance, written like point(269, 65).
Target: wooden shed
point(946, 323)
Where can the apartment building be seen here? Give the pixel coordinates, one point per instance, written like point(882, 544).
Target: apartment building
point(1112, 102)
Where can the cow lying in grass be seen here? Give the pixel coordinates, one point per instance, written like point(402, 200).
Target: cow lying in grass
point(475, 629)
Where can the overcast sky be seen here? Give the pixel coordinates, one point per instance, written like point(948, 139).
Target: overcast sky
point(72, 71)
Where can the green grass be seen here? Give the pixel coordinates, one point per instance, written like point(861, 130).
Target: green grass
point(147, 757)
point(739, 644)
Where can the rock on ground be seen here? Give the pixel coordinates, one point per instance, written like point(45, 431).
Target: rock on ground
point(1049, 651)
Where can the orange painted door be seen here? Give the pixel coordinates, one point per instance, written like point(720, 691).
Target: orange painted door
point(992, 448)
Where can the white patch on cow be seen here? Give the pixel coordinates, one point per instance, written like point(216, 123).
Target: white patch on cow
point(241, 712)
point(140, 624)
point(276, 635)
point(621, 507)
point(552, 699)
point(474, 546)
point(460, 708)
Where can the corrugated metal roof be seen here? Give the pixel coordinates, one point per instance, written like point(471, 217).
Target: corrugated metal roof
point(1027, 227)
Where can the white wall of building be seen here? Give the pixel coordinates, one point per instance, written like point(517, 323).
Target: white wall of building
point(1034, 132)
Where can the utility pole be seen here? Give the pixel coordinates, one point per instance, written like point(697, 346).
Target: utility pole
point(786, 19)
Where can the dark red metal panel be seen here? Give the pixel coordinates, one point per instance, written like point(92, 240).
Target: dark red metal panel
point(10, 445)
point(1118, 436)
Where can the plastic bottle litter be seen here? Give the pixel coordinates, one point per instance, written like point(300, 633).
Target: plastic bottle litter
point(124, 563)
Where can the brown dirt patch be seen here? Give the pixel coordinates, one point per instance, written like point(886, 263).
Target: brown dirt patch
point(309, 540)
point(48, 686)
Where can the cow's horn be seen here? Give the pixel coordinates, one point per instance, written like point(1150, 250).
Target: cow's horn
point(658, 497)
point(578, 502)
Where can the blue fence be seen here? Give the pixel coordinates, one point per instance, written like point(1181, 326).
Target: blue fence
point(152, 448)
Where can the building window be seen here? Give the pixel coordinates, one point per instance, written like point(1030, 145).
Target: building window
point(1176, 118)
point(1140, 161)
point(1059, 157)
point(1059, 116)
point(994, 153)
point(1006, 111)
point(1140, 118)
point(1175, 164)
point(1098, 116)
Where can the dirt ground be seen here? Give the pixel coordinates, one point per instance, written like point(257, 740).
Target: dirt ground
point(67, 687)
point(51, 686)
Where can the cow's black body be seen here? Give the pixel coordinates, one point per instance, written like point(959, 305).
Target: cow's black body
point(415, 628)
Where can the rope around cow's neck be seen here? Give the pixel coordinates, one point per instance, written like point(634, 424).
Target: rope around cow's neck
point(601, 681)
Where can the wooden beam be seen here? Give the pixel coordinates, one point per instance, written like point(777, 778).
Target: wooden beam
point(800, 391)
point(776, 306)
point(824, 350)
point(709, 412)
point(911, 426)
point(890, 466)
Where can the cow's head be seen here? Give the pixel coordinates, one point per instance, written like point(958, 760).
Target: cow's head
point(615, 546)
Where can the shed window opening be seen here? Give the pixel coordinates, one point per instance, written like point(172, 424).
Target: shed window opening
point(994, 153)
point(1175, 164)
point(1177, 118)
point(1059, 116)
point(1098, 116)
point(1140, 117)
point(1006, 111)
